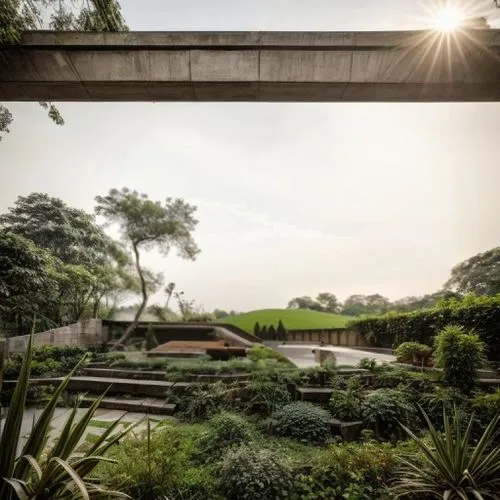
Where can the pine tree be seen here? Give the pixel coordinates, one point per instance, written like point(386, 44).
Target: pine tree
point(281, 331)
point(256, 330)
point(272, 332)
point(264, 333)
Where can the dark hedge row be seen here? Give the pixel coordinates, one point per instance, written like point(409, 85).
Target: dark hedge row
point(480, 313)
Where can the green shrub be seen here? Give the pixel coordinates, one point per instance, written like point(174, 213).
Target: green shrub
point(201, 401)
point(148, 468)
point(263, 395)
point(303, 421)
point(151, 340)
point(413, 353)
point(384, 409)
point(255, 474)
point(460, 353)
point(479, 313)
point(47, 361)
point(346, 404)
point(487, 406)
point(224, 431)
point(259, 351)
point(348, 471)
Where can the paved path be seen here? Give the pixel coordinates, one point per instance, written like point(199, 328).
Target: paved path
point(302, 355)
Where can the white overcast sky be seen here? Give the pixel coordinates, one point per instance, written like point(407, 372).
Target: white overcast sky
point(292, 199)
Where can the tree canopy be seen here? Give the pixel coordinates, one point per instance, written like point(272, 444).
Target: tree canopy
point(479, 275)
point(145, 224)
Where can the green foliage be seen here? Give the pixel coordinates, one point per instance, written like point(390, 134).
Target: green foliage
point(151, 340)
point(247, 473)
point(148, 466)
point(346, 404)
point(482, 314)
point(224, 430)
point(479, 275)
point(256, 329)
point(460, 353)
point(294, 319)
point(264, 393)
point(302, 421)
point(451, 465)
point(260, 352)
point(281, 332)
point(57, 474)
point(348, 471)
point(413, 353)
point(47, 361)
point(385, 409)
point(487, 405)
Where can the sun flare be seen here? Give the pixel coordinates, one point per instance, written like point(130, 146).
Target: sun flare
point(449, 19)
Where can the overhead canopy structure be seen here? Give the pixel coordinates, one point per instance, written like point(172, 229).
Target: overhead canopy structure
point(419, 66)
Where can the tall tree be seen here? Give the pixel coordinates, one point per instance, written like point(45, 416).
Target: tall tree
point(329, 302)
point(356, 305)
point(169, 290)
point(281, 332)
point(256, 329)
point(305, 302)
point(145, 225)
point(479, 275)
point(28, 284)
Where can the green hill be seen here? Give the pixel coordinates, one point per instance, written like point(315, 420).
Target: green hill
point(293, 319)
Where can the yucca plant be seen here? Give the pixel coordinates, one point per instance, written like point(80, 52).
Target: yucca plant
point(450, 465)
point(59, 474)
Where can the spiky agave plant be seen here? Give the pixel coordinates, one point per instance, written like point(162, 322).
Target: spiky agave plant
point(451, 465)
point(59, 475)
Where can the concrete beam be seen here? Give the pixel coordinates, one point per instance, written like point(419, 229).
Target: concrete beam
point(418, 66)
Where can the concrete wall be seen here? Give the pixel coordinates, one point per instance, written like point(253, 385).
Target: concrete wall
point(333, 336)
point(83, 334)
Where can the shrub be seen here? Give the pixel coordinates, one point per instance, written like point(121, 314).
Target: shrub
point(302, 421)
point(346, 404)
point(259, 352)
point(442, 399)
point(384, 409)
point(459, 353)
point(225, 430)
point(414, 353)
point(151, 340)
point(451, 465)
point(348, 471)
point(148, 467)
point(255, 474)
point(487, 406)
point(264, 394)
point(201, 401)
point(479, 313)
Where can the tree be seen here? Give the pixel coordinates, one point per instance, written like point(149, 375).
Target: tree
point(256, 329)
point(264, 333)
point(145, 225)
point(151, 340)
point(271, 332)
point(479, 275)
point(281, 332)
point(169, 290)
point(220, 313)
point(356, 305)
point(17, 16)
point(28, 283)
point(305, 302)
point(329, 302)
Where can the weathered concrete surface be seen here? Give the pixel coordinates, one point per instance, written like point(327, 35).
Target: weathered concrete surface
point(253, 66)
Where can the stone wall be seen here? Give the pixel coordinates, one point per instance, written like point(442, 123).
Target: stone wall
point(332, 336)
point(84, 334)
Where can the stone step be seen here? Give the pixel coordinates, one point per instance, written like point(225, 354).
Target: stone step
point(151, 406)
point(315, 394)
point(147, 388)
point(124, 373)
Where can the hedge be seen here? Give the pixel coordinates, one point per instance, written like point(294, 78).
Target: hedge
point(479, 313)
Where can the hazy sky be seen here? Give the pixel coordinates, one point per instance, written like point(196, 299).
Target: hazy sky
point(292, 199)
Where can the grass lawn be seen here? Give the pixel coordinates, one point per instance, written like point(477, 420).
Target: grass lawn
point(293, 319)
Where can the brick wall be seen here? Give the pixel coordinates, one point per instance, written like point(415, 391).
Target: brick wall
point(84, 334)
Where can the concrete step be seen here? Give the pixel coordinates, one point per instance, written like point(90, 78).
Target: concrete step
point(146, 388)
point(149, 405)
point(315, 394)
point(124, 373)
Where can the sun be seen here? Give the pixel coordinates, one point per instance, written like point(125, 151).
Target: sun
point(449, 19)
